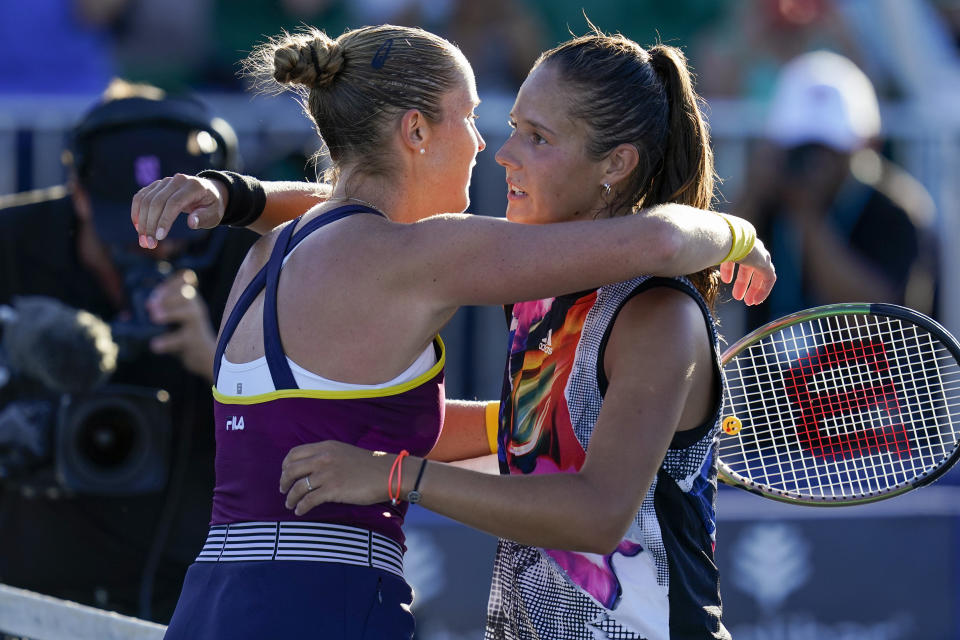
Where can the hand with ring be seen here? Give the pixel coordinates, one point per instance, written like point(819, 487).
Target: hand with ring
point(332, 471)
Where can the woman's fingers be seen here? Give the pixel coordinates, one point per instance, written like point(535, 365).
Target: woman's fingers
point(299, 490)
point(755, 275)
point(760, 288)
point(742, 283)
point(155, 208)
point(295, 468)
point(310, 497)
point(727, 270)
point(332, 471)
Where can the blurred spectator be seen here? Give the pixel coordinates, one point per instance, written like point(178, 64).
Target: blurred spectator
point(741, 56)
point(57, 46)
point(676, 22)
point(105, 494)
point(501, 39)
point(427, 14)
point(845, 224)
point(239, 25)
point(949, 11)
point(164, 42)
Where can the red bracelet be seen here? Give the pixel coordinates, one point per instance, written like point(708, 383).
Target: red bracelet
point(397, 469)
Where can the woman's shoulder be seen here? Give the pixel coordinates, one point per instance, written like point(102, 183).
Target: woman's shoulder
point(670, 310)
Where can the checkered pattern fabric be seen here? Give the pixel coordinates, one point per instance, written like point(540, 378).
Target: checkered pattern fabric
point(531, 596)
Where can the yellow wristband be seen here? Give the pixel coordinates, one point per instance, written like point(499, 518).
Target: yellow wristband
point(491, 417)
point(743, 237)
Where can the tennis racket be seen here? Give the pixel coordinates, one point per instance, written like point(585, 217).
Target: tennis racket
point(841, 404)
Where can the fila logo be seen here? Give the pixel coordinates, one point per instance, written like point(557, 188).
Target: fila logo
point(235, 423)
point(546, 345)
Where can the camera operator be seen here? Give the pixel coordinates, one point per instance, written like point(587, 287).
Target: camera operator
point(104, 489)
point(846, 224)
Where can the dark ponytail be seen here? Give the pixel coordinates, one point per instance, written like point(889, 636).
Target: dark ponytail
point(686, 174)
point(626, 94)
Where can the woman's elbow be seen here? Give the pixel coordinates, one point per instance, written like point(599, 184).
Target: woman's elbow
point(668, 250)
point(603, 536)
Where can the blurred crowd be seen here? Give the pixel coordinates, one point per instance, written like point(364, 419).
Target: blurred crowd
point(737, 49)
point(736, 46)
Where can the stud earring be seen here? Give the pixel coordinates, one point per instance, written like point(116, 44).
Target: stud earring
point(422, 151)
point(606, 189)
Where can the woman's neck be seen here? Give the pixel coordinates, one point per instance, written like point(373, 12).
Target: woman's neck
point(390, 197)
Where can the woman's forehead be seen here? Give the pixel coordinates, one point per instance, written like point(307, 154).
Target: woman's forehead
point(469, 81)
point(543, 96)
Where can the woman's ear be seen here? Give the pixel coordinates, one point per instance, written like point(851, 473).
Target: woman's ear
point(620, 163)
point(414, 130)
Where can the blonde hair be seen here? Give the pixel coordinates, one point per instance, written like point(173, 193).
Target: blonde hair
point(355, 87)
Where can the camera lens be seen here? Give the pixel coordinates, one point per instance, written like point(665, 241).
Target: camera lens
point(113, 441)
point(106, 441)
point(107, 437)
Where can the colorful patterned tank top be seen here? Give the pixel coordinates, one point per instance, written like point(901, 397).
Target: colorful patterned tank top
point(660, 582)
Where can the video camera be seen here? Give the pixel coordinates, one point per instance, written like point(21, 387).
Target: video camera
point(67, 425)
point(106, 439)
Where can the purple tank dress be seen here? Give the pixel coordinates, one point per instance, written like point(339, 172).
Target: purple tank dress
point(336, 571)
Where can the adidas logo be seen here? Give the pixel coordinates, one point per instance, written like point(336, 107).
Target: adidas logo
point(546, 344)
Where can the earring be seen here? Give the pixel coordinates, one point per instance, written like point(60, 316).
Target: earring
point(606, 189)
point(422, 150)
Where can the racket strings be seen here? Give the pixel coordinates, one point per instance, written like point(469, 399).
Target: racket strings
point(841, 406)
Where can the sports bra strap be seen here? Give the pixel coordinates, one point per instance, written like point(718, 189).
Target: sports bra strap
point(268, 278)
point(272, 346)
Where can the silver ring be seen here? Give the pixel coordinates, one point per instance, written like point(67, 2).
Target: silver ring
point(309, 486)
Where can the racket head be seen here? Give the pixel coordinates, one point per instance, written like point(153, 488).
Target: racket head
point(840, 404)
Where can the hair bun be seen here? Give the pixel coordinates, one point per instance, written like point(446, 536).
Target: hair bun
point(310, 60)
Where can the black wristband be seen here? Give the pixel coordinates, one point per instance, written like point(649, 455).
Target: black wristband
point(413, 496)
point(245, 197)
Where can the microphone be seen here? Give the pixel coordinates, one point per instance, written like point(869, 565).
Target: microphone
point(66, 349)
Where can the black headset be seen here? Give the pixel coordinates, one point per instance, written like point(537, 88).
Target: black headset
point(180, 113)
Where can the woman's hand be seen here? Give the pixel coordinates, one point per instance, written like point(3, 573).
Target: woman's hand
point(755, 277)
point(157, 205)
point(337, 472)
point(177, 302)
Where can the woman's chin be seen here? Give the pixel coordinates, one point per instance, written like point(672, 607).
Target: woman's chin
point(520, 214)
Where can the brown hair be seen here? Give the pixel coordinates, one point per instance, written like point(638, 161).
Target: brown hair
point(355, 86)
point(627, 94)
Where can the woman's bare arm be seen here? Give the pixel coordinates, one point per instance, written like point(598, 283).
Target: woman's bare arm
point(156, 206)
point(451, 260)
point(464, 432)
point(458, 259)
point(657, 349)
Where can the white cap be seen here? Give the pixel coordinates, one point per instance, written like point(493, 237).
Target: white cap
point(822, 97)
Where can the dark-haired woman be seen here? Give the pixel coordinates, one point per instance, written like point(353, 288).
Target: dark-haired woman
point(343, 348)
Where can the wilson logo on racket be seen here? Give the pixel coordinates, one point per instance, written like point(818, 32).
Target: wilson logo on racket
point(841, 404)
point(875, 398)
